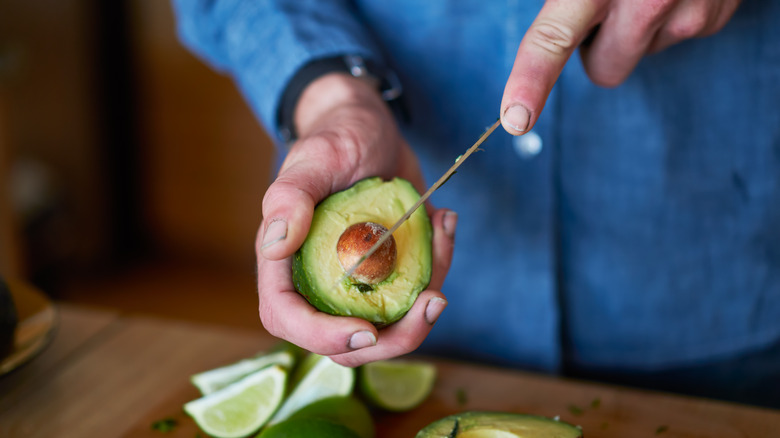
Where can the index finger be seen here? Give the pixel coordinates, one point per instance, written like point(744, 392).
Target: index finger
point(546, 47)
point(285, 314)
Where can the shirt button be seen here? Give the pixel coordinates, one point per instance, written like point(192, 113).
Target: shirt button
point(527, 145)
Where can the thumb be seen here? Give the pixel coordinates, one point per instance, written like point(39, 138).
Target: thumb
point(546, 47)
point(288, 207)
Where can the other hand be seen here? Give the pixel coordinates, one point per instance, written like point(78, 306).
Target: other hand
point(619, 33)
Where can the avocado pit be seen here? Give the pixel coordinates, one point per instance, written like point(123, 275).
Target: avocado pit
point(355, 241)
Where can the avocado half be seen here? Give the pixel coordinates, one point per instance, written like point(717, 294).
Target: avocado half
point(476, 424)
point(319, 276)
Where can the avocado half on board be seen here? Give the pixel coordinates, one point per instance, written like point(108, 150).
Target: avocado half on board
point(344, 226)
point(476, 424)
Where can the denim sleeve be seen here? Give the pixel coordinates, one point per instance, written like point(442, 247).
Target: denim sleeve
point(262, 44)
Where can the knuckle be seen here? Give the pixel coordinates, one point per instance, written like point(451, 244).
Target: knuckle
point(656, 8)
point(553, 37)
point(347, 360)
point(406, 345)
point(269, 321)
point(689, 26)
point(607, 79)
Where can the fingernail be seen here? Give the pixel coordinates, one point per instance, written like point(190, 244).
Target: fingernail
point(361, 340)
point(434, 308)
point(276, 232)
point(449, 223)
point(517, 117)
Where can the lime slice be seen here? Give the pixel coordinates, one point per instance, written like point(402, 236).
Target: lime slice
point(308, 428)
point(240, 408)
point(347, 411)
point(397, 385)
point(218, 378)
point(317, 378)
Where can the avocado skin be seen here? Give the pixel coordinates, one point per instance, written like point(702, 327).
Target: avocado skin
point(534, 426)
point(311, 287)
point(8, 320)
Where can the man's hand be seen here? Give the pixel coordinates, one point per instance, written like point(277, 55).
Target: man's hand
point(346, 134)
point(620, 33)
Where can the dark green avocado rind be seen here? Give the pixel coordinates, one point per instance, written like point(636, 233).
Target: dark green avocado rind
point(305, 283)
point(534, 426)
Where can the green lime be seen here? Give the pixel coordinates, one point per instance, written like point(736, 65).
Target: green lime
point(240, 408)
point(317, 377)
point(347, 411)
point(308, 428)
point(218, 378)
point(397, 385)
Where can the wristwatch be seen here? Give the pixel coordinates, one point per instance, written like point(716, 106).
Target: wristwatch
point(384, 79)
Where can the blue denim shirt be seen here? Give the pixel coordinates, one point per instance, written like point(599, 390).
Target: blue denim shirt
point(633, 228)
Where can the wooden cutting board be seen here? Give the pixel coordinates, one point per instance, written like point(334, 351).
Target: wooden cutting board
point(602, 411)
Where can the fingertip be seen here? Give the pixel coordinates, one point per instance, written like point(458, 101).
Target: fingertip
point(271, 241)
point(434, 309)
point(445, 223)
point(287, 213)
point(450, 223)
point(516, 119)
point(361, 339)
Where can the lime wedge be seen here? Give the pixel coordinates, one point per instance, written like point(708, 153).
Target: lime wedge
point(218, 378)
point(397, 385)
point(308, 428)
point(317, 378)
point(240, 408)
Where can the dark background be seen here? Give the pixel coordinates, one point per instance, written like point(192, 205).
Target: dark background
point(132, 174)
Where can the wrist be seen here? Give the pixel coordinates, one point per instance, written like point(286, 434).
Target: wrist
point(331, 93)
point(380, 79)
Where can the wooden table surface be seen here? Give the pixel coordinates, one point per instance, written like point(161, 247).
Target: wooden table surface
point(108, 375)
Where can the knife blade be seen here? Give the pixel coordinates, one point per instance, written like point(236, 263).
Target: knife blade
point(386, 235)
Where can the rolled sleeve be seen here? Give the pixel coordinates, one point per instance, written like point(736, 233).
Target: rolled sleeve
point(263, 44)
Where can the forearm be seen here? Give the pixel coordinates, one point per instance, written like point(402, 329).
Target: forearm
point(264, 44)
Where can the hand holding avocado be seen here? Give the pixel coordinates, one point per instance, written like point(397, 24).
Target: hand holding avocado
point(346, 134)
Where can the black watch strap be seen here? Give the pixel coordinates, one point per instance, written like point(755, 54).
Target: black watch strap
point(387, 82)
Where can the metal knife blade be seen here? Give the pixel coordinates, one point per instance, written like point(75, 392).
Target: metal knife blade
point(348, 273)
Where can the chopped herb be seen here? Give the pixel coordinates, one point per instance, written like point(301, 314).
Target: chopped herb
point(661, 429)
point(165, 425)
point(461, 397)
point(595, 403)
point(575, 410)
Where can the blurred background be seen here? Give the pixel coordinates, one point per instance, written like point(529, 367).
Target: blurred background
point(132, 174)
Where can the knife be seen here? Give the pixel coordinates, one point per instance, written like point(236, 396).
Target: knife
point(348, 273)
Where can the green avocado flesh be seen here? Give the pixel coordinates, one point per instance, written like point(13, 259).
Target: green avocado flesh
point(499, 425)
point(317, 273)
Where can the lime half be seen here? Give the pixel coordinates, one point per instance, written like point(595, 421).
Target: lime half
point(397, 385)
point(218, 378)
point(318, 377)
point(308, 428)
point(347, 411)
point(241, 408)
